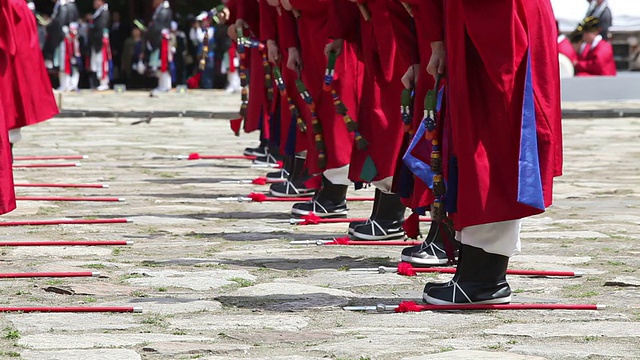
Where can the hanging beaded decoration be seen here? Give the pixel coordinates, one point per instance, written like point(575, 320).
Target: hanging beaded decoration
point(407, 111)
point(341, 108)
point(431, 134)
point(316, 127)
point(295, 114)
point(244, 93)
point(205, 50)
point(268, 82)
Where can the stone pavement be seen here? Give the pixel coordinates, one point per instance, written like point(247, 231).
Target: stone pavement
point(219, 280)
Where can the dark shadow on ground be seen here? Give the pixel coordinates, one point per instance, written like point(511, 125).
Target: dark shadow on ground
point(286, 302)
point(338, 262)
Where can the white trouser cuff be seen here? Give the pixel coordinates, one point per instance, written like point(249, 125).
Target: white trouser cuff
point(339, 176)
point(385, 185)
point(164, 81)
point(502, 238)
point(15, 135)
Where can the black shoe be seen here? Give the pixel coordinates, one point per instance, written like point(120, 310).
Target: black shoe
point(257, 151)
point(290, 189)
point(267, 160)
point(481, 279)
point(277, 176)
point(432, 251)
point(328, 202)
point(386, 221)
point(376, 202)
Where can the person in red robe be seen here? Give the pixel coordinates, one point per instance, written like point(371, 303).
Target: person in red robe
point(385, 32)
point(33, 99)
point(329, 152)
point(596, 54)
point(503, 132)
point(278, 30)
point(8, 49)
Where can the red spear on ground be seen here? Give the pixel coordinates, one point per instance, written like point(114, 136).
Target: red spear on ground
point(46, 165)
point(72, 309)
point(313, 219)
point(257, 181)
point(410, 306)
point(406, 269)
point(54, 157)
point(259, 197)
point(47, 185)
point(66, 243)
point(347, 241)
point(197, 156)
point(64, 222)
point(60, 198)
point(49, 274)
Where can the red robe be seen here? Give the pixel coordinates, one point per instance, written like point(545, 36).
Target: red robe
point(33, 94)
point(7, 52)
point(388, 47)
point(258, 108)
point(503, 107)
point(565, 47)
point(280, 26)
point(313, 31)
point(596, 61)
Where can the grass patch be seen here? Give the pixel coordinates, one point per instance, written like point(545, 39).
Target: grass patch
point(94, 266)
point(11, 333)
point(10, 354)
point(138, 293)
point(116, 251)
point(89, 299)
point(242, 282)
point(162, 289)
point(344, 268)
point(155, 320)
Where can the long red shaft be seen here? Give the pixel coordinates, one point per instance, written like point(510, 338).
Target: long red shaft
point(46, 165)
point(65, 243)
point(509, 272)
point(510, 307)
point(48, 274)
point(46, 185)
point(224, 157)
point(63, 222)
point(61, 198)
point(376, 243)
point(52, 157)
point(336, 221)
point(72, 309)
point(303, 199)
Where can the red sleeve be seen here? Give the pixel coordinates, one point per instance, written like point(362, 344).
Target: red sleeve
point(289, 30)
point(433, 25)
point(595, 61)
point(405, 32)
point(268, 22)
point(344, 20)
point(249, 11)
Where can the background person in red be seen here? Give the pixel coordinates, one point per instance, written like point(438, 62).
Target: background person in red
point(596, 54)
point(503, 108)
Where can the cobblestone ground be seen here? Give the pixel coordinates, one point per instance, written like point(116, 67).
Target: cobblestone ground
point(219, 280)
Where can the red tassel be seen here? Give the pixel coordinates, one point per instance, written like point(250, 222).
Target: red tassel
point(280, 164)
point(236, 124)
point(408, 306)
point(194, 81)
point(194, 156)
point(406, 269)
point(314, 183)
point(412, 226)
point(311, 219)
point(342, 241)
point(164, 54)
point(259, 181)
point(257, 197)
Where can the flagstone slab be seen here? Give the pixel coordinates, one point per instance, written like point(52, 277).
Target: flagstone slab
point(41, 323)
point(174, 305)
point(195, 280)
point(99, 354)
point(607, 329)
point(97, 340)
point(474, 355)
point(172, 349)
point(216, 323)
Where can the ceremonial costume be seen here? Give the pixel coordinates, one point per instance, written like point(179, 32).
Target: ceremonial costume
point(565, 47)
point(64, 13)
point(29, 98)
point(101, 60)
point(503, 137)
point(329, 151)
point(158, 38)
point(7, 52)
point(596, 59)
point(70, 59)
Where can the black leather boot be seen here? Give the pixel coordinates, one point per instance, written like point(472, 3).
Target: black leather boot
point(433, 250)
point(481, 279)
point(376, 203)
point(294, 186)
point(328, 202)
point(386, 222)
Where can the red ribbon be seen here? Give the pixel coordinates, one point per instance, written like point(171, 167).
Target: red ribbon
point(106, 57)
point(68, 53)
point(164, 54)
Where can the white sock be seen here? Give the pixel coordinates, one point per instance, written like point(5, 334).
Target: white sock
point(502, 238)
point(385, 185)
point(339, 176)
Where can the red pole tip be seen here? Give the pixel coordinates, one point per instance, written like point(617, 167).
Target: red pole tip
point(408, 306)
point(259, 181)
point(406, 269)
point(280, 165)
point(311, 219)
point(257, 197)
point(194, 156)
point(342, 240)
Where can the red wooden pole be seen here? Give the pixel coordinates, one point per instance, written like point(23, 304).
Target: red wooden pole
point(46, 165)
point(61, 198)
point(410, 306)
point(49, 274)
point(64, 222)
point(66, 243)
point(72, 309)
point(46, 185)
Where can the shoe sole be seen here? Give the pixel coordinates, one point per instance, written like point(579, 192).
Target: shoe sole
point(359, 236)
point(275, 181)
point(433, 301)
point(420, 261)
point(301, 213)
point(283, 195)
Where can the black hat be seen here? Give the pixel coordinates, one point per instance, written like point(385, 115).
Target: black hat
point(589, 24)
